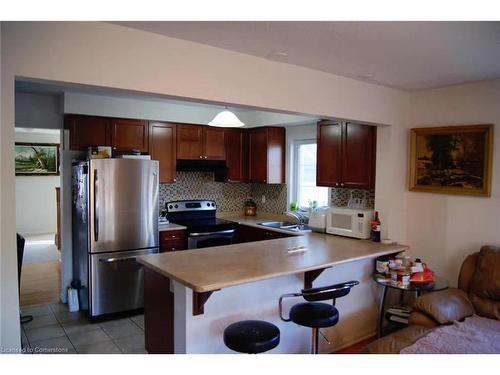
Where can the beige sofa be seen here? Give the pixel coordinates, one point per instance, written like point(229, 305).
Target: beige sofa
point(478, 293)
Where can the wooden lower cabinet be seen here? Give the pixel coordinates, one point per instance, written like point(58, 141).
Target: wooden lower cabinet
point(172, 240)
point(246, 233)
point(158, 313)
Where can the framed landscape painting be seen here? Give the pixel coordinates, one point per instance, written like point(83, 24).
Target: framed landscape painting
point(452, 159)
point(37, 159)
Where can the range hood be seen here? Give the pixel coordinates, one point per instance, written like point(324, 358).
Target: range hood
point(218, 167)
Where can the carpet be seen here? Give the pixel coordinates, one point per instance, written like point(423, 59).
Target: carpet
point(475, 335)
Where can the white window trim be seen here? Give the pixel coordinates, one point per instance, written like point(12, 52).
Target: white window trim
point(296, 143)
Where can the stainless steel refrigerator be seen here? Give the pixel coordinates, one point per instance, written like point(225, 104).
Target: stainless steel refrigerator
point(115, 219)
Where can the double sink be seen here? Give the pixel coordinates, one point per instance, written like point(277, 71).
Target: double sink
point(286, 225)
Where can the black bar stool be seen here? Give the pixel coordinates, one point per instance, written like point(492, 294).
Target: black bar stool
point(316, 314)
point(251, 336)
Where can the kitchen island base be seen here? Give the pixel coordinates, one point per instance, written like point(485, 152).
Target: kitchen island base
point(172, 325)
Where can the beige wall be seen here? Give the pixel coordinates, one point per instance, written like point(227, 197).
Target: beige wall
point(443, 229)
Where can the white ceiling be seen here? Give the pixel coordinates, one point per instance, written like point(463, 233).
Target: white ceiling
point(405, 55)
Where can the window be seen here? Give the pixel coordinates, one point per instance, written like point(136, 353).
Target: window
point(303, 173)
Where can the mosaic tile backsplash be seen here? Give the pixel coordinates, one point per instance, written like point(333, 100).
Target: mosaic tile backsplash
point(340, 196)
point(231, 196)
point(228, 196)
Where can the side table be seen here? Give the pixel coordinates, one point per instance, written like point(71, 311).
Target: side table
point(438, 284)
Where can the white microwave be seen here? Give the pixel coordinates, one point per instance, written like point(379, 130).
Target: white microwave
point(349, 222)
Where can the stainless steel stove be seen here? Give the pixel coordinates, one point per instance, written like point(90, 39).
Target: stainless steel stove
point(203, 228)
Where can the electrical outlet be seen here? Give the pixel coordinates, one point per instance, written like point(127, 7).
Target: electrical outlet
point(263, 198)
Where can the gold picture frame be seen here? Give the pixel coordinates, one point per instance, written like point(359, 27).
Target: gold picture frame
point(451, 159)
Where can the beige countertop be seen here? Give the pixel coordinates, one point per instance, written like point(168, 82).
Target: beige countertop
point(170, 226)
point(209, 269)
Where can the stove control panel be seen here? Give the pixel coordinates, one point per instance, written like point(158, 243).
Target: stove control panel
point(193, 205)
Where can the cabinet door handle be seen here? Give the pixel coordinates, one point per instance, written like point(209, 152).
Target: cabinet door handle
point(336, 184)
point(341, 184)
point(206, 157)
point(201, 157)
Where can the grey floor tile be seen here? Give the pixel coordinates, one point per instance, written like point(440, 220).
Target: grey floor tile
point(66, 316)
point(79, 326)
point(86, 338)
point(103, 347)
point(57, 345)
point(43, 333)
point(40, 321)
point(131, 344)
point(59, 307)
point(36, 310)
point(139, 320)
point(121, 328)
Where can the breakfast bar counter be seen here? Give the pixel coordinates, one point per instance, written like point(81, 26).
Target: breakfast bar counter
point(205, 270)
point(191, 296)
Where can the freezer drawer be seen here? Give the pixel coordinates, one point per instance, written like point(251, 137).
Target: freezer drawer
point(117, 281)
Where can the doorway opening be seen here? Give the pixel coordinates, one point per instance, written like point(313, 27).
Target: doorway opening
point(38, 214)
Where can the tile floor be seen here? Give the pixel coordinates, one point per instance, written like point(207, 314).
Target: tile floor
point(56, 330)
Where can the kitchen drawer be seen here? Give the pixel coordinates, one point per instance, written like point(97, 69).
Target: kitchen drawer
point(172, 245)
point(171, 235)
point(172, 240)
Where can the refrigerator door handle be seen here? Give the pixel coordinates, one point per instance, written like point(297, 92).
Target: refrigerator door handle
point(96, 209)
point(113, 260)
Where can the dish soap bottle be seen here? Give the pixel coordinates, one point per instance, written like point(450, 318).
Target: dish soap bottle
point(375, 224)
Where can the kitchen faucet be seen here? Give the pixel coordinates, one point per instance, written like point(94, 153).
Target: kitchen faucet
point(299, 217)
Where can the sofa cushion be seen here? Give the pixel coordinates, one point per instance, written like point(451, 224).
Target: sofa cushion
point(484, 290)
point(445, 306)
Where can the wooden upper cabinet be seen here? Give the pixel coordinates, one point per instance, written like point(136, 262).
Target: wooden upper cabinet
point(189, 142)
point(196, 142)
point(87, 131)
point(128, 135)
point(358, 159)
point(267, 155)
point(162, 137)
point(329, 154)
point(237, 155)
point(346, 155)
point(213, 143)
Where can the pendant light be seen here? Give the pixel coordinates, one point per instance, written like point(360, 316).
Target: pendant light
point(226, 119)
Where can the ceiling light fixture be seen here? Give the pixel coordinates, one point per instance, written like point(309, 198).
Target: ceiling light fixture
point(226, 119)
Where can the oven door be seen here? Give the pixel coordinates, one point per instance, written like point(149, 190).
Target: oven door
point(198, 240)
